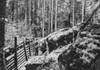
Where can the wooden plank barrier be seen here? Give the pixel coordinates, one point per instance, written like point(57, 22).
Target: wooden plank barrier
point(31, 48)
point(21, 54)
point(15, 56)
point(27, 46)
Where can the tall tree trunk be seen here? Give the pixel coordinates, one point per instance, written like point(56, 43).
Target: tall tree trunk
point(83, 9)
point(16, 11)
point(16, 20)
point(43, 17)
point(69, 20)
point(13, 6)
point(30, 16)
point(69, 14)
point(73, 17)
point(52, 15)
point(2, 32)
point(27, 15)
point(49, 16)
point(35, 17)
point(38, 4)
point(73, 12)
point(56, 14)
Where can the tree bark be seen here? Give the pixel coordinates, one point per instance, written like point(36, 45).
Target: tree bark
point(38, 4)
point(49, 16)
point(16, 17)
point(16, 11)
point(43, 17)
point(74, 12)
point(52, 15)
point(74, 1)
point(83, 9)
point(13, 6)
point(35, 17)
point(30, 17)
point(27, 15)
point(56, 15)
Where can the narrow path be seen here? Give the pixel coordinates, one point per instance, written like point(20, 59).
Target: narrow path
point(45, 59)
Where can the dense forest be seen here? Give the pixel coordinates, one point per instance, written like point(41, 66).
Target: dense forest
point(38, 18)
point(63, 31)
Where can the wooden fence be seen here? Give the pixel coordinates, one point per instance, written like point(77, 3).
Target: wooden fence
point(20, 54)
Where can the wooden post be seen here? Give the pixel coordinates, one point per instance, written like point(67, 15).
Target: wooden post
point(25, 50)
point(2, 64)
point(4, 60)
point(15, 45)
point(29, 48)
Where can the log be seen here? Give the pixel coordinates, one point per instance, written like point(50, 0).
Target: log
point(95, 8)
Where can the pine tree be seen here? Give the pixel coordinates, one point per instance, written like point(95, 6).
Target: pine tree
point(74, 12)
point(13, 6)
point(27, 14)
point(83, 9)
point(52, 15)
point(30, 16)
point(49, 16)
point(56, 14)
point(43, 17)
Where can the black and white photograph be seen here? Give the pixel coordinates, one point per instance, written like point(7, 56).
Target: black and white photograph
point(49, 34)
